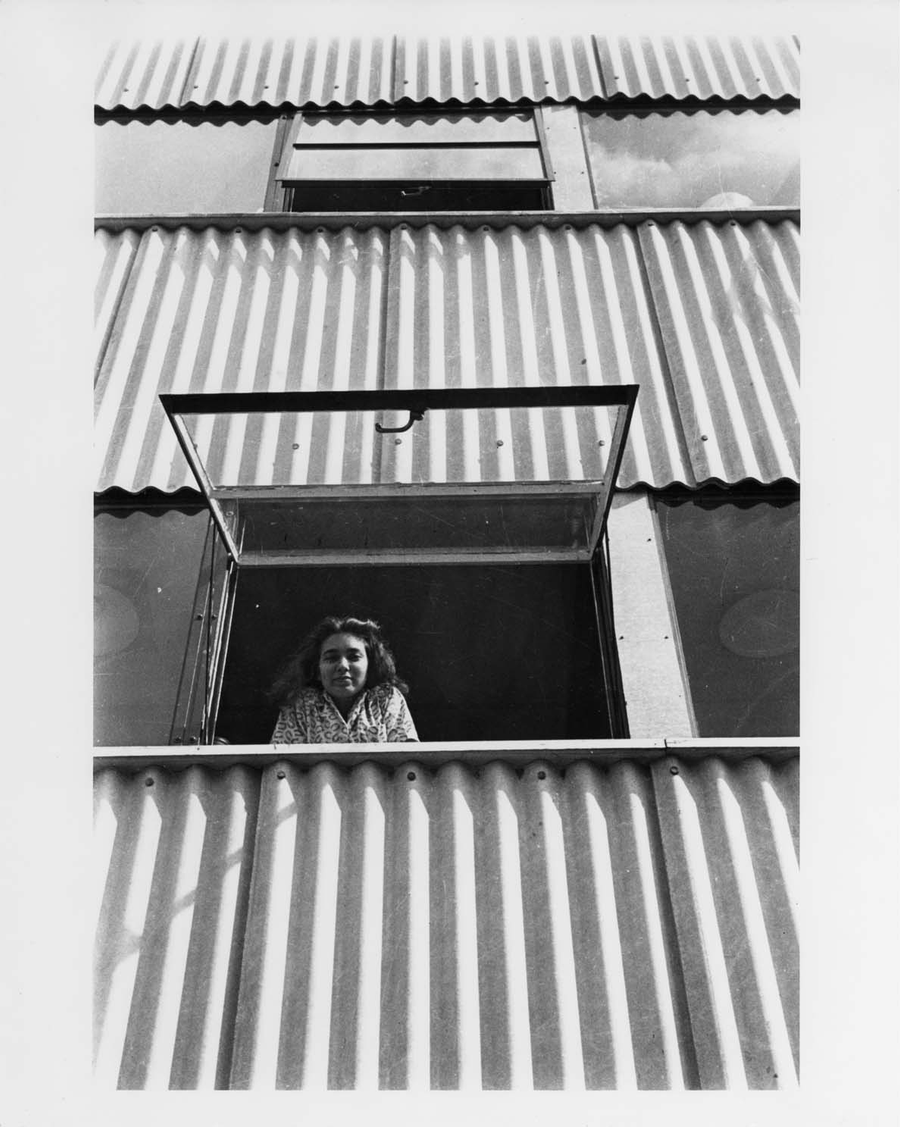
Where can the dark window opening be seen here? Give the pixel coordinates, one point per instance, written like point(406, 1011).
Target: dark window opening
point(490, 653)
point(734, 570)
point(466, 196)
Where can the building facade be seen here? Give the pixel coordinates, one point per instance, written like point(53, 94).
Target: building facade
point(580, 258)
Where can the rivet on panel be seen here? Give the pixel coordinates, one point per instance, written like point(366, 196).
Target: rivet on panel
point(411, 775)
point(704, 438)
point(673, 770)
point(398, 441)
point(499, 441)
point(148, 782)
point(601, 442)
point(295, 446)
point(280, 774)
point(542, 774)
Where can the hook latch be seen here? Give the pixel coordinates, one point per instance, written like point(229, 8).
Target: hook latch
point(414, 417)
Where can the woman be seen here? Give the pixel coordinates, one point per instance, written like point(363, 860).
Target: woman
point(342, 687)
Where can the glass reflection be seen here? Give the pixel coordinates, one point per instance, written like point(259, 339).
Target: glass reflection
point(699, 159)
point(182, 167)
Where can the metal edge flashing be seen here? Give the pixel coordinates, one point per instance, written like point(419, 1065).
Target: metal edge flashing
point(362, 220)
point(618, 101)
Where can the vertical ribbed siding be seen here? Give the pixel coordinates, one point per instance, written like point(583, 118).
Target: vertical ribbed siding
point(515, 307)
point(231, 311)
point(732, 854)
point(699, 66)
point(619, 927)
point(466, 69)
point(345, 71)
point(711, 335)
point(174, 857)
point(211, 311)
point(727, 298)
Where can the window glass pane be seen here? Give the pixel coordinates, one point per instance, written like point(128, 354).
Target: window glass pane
point(698, 159)
point(502, 444)
point(146, 566)
point(446, 162)
point(734, 570)
point(417, 129)
point(494, 480)
point(160, 167)
point(490, 653)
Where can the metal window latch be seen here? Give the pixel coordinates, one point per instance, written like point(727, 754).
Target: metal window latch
point(414, 417)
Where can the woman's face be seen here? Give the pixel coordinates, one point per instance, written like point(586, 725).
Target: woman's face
point(343, 665)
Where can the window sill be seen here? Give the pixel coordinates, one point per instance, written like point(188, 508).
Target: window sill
point(361, 220)
point(559, 753)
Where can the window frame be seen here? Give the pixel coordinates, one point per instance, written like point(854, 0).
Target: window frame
point(292, 122)
point(622, 396)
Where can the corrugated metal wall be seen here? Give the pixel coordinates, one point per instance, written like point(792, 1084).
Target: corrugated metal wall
point(703, 317)
point(393, 70)
point(619, 927)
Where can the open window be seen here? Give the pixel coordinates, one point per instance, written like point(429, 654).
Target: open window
point(415, 162)
point(470, 522)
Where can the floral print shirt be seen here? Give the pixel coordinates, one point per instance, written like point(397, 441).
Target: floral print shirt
point(379, 715)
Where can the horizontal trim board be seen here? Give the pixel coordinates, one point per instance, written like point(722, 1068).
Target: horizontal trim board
point(363, 220)
point(518, 753)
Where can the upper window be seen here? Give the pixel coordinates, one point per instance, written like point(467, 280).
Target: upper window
point(694, 160)
point(204, 165)
point(414, 162)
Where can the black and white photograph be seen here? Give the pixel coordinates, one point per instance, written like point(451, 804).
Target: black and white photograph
point(446, 400)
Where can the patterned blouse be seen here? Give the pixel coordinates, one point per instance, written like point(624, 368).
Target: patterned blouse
point(379, 715)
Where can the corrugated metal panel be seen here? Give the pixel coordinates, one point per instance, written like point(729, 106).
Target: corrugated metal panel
point(514, 307)
point(231, 311)
point(174, 855)
point(465, 69)
point(700, 66)
point(211, 311)
point(454, 928)
point(259, 71)
point(728, 304)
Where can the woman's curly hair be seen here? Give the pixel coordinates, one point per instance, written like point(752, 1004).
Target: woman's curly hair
point(302, 670)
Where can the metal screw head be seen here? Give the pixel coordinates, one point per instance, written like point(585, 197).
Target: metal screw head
point(542, 774)
point(280, 775)
point(673, 770)
point(148, 782)
point(411, 775)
